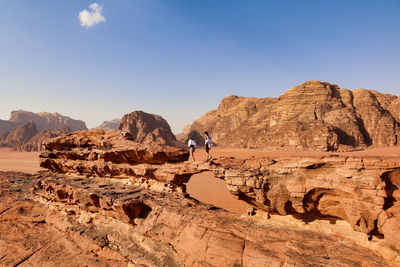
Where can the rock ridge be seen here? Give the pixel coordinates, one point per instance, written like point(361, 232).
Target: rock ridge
point(314, 115)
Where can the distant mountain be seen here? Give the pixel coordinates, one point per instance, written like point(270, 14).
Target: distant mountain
point(7, 126)
point(26, 137)
point(109, 125)
point(314, 115)
point(46, 121)
point(26, 130)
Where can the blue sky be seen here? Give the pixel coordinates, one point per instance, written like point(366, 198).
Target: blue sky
point(179, 58)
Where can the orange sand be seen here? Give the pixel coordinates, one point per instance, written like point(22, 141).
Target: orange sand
point(19, 161)
point(204, 187)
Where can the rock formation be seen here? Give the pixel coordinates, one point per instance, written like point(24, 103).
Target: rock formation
point(110, 125)
point(314, 115)
point(122, 203)
point(113, 154)
point(47, 121)
point(111, 222)
point(147, 128)
point(362, 191)
point(27, 138)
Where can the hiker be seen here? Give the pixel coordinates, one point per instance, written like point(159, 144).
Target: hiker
point(208, 145)
point(192, 147)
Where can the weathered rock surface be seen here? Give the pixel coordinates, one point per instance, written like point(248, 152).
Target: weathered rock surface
point(112, 222)
point(363, 191)
point(314, 115)
point(147, 128)
point(47, 121)
point(110, 125)
point(114, 154)
point(27, 138)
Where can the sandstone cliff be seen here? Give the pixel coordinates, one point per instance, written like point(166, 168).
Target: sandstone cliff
point(314, 115)
point(46, 121)
point(147, 128)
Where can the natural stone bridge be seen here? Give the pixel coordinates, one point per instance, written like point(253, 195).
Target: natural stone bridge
point(99, 169)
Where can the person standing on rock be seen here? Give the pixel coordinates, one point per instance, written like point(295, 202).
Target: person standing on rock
point(192, 147)
point(208, 145)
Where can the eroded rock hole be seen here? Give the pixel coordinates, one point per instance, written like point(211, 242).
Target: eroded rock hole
point(392, 182)
point(136, 210)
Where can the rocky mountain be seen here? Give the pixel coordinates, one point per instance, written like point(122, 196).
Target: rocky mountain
point(19, 136)
point(26, 137)
point(7, 126)
point(46, 121)
point(109, 125)
point(147, 128)
point(314, 115)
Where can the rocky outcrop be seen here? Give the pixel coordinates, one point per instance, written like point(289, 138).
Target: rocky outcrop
point(147, 128)
point(362, 191)
point(111, 153)
point(27, 138)
point(46, 121)
point(109, 125)
point(103, 222)
point(314, 115)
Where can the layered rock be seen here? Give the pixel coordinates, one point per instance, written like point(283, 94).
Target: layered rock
point(147, 128)
point(363, 191)
point(114, 154)
point(314, 115)
point(47, 121)
point(112, 222)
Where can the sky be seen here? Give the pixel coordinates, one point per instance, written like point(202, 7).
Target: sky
point(98, 60)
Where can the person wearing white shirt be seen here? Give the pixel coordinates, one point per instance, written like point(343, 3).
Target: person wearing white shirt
point(208, 145)
point(192, 147)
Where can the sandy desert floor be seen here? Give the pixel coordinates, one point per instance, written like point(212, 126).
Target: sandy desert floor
point(204, 186)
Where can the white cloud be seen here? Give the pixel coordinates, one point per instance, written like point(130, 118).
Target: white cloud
point(92, 17)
